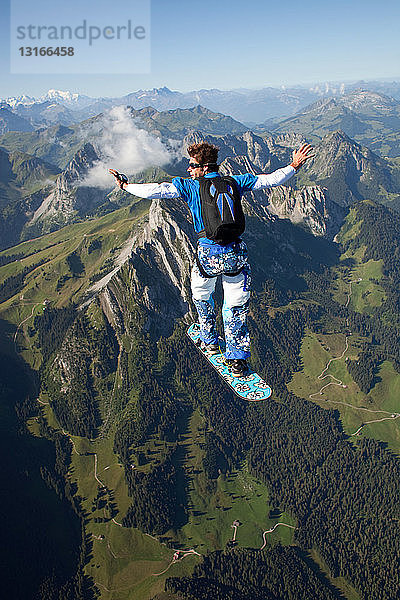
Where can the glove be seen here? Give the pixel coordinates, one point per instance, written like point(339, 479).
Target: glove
point(120, 178)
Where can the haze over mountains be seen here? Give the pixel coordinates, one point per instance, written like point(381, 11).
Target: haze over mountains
point(248, 106)
point(122, 446)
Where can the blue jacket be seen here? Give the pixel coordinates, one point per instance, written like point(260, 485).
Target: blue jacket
point(189, 191)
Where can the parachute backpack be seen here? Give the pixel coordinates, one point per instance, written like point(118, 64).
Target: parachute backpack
point(221, 209)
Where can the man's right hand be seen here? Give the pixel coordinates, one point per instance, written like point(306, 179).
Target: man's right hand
point(120, 178)
point(300, 156)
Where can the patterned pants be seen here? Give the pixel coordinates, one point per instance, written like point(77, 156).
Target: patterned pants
point(222, 260)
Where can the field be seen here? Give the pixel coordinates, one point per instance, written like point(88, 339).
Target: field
point(373, 412)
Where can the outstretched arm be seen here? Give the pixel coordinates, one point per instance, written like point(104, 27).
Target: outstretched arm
point(145, 190)
point(281, 176)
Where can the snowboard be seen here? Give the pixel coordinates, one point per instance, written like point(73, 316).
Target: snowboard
point(249, 387)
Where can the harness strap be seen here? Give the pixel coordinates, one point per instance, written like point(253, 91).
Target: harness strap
point(203, 234)
point(204, 274)
point(235, 273)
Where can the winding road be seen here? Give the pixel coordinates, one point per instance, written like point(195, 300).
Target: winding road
point(273, 529)
point(181, 555)
point(339, 383)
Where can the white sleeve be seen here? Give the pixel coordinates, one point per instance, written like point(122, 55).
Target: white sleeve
point(152, 190)
point(278, 177)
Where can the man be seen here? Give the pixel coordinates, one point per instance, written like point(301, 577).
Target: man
point(214, 258)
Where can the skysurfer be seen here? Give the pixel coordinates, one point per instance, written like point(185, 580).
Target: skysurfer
point(214, 202)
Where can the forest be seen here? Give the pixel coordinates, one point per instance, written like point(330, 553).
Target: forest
point(40, 504)
point(279, 572)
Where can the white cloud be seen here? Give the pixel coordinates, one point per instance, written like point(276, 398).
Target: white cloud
point(121, 145)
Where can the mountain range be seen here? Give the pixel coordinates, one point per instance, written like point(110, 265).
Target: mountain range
point(132, 471)
point(370, 118)
point(245, 105)
point(36, 201)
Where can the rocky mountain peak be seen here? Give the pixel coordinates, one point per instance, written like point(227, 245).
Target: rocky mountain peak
point(67, 198)
point(349, 171)
point(361, 100)
point(157, 261)
point(320, 106)
point(161, 91)
point(80, 163)
point(147, 111)
point(237, 166)
point(311, 206)
point(339, 137)
point(288, 140)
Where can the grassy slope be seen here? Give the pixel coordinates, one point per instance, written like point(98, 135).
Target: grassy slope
point(53, 280)
point(216, 505)
point(359, 287)
point(316, 353)
point(339, 582)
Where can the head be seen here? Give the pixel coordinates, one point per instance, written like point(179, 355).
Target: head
point(203, 159)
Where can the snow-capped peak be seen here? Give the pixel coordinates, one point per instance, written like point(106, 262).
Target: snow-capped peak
point(60, 95)
point(14, 101)
point(66, 98)
point(69, 99)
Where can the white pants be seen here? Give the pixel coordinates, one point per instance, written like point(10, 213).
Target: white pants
point(236, 289)
point(234, 310)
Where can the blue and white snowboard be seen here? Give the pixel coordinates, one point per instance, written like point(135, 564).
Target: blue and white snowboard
point(250, 387)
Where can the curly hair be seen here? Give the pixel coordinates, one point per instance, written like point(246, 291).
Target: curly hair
point(204, 153)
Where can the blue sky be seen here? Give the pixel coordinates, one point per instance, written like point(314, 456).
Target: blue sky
point(230, 44)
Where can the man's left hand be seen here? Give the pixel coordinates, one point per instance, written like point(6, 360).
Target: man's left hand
point(300, 156)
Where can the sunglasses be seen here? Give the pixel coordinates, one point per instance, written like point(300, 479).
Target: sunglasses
point(194, 165)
